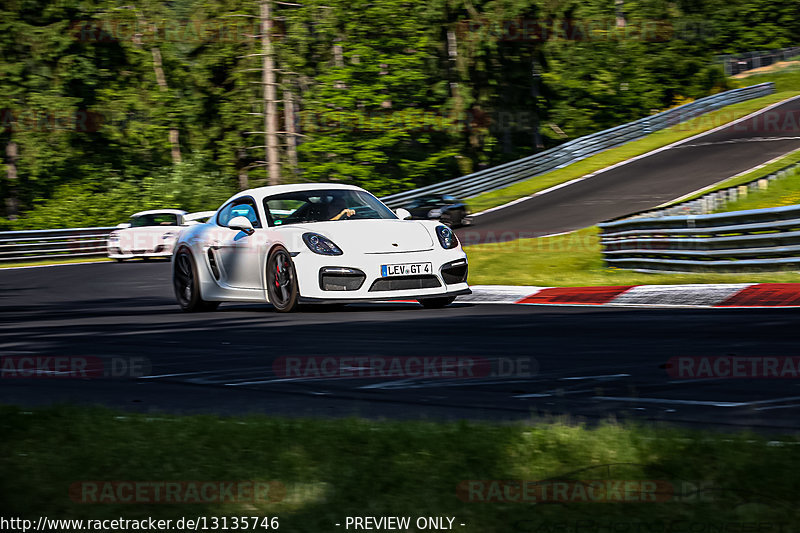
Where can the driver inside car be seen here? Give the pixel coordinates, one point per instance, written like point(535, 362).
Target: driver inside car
point(338, 209)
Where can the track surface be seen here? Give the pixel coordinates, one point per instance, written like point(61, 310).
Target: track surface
point(592, 363)
point(649, 181)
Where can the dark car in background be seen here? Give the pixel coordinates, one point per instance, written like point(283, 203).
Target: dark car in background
point(443, 207)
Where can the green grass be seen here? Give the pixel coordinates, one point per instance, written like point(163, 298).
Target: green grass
point(786, 81)
point(781, 192)
point(46, 262)
point(575, 260)
point(337, 468)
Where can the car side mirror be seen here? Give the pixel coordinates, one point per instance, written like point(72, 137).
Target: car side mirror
point(241, 224)
point(402, 214)
point(124, 225)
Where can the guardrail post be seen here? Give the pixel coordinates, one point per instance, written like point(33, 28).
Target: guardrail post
point(742, 191)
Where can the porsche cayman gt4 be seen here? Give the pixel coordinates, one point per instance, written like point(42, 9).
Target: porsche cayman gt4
point(315, 243)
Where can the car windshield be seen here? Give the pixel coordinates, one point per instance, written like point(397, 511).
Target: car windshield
point(154, 219)
point(324, 205)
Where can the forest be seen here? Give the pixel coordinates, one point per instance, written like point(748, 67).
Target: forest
point(109, 108)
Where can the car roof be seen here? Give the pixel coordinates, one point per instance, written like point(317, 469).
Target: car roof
point(160, 212)
point(261, 192)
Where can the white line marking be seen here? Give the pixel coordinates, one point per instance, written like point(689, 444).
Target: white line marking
point(608, 376)
point(275, 380)
point(178, 374)
point(397, 384)
point(777, 407)
point(554, 234)
point(544, 191)
point(776, 400)
point(695, 402)
point(54, 265)
point(664, 400)
point(413, 383)
point(742, 141)
point(636, 158)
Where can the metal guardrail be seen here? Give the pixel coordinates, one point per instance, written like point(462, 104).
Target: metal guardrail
point(738, 241)
point(742, 63)
point(506, 174)
point(69, 243)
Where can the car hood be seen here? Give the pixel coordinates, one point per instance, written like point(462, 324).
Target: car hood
point(373, 236)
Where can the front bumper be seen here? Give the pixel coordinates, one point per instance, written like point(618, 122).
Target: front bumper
point(307, 300)
point(309, 266)
point(162, 250)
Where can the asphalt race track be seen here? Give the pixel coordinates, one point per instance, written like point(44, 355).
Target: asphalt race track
point(587, 363)
point(647, 182)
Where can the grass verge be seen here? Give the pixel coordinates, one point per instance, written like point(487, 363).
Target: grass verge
point(786, 84)
point(575, 260)
point(332, 469)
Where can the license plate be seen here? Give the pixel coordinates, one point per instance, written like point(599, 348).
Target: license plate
point(406, 269)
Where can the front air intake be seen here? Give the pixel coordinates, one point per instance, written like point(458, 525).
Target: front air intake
point(341, 279)
point(402, 283)
point(455, 272)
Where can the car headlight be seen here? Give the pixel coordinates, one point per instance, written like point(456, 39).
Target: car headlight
point(113, 237)
point(446, 236)
point(435, 213)
point(320, 245)
point(169, 235)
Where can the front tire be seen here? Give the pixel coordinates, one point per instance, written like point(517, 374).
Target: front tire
point(186, 283)
point(437, 303)
point(281, 280)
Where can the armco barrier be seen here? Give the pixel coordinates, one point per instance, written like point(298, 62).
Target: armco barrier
point(751, 60)
point(738, 241)
point(72, 243)
point(577, 149)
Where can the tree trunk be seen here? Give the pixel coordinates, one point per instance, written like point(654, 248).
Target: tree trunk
point(619, 8)
point(12, 202)
point(243, 176)
point(452, 62)
point(174, 137)
point(291, 133)
point(270, 107)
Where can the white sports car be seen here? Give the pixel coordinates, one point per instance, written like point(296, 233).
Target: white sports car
point(150, 234)
point(291, 244)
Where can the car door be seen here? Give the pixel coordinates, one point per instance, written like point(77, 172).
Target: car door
point(239, 254)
